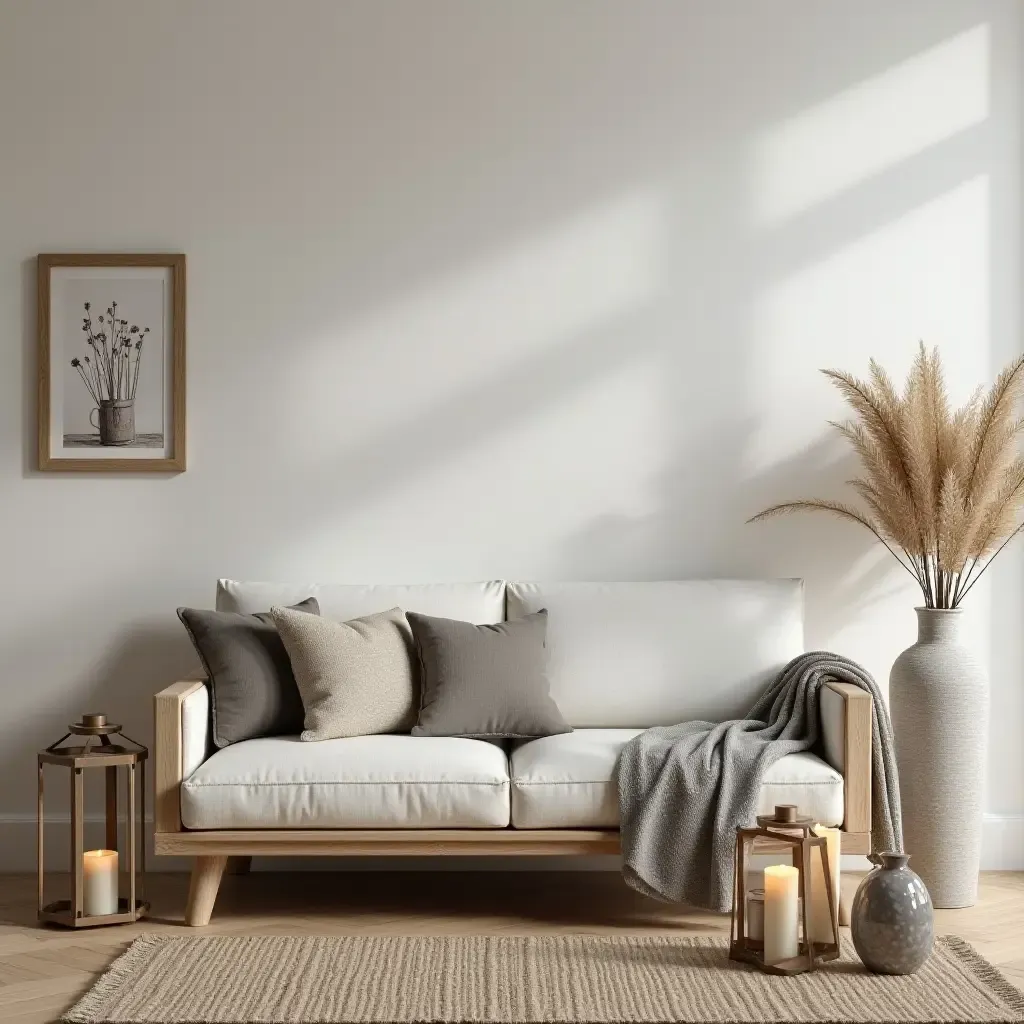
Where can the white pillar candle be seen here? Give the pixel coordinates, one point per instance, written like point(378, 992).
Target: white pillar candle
point(99, 882)
point(781, 892)
point(820, 918)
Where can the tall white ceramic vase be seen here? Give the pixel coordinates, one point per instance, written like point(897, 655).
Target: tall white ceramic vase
point(938, 701)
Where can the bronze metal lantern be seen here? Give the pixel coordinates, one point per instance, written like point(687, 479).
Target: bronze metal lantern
point(106, 885)
point(783, 831)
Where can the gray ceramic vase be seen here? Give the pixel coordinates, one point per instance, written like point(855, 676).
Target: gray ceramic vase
point(892, 921)
point(938, 700)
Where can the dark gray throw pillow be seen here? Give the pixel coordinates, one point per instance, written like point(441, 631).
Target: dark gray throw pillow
point(484, 681)
point(253, 690)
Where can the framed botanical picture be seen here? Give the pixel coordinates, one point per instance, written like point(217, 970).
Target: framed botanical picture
point(112, 362)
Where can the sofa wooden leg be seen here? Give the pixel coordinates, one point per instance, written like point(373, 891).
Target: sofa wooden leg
point(238, 866)
point(202, 892)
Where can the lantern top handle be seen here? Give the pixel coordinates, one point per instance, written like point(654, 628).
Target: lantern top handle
point(93, 725)
point(785, 817)
point(99, 739)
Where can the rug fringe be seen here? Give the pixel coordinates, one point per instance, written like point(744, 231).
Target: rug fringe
point(986, 972)
point(88, 1009)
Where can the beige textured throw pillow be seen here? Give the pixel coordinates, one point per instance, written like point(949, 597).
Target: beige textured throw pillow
point(356, 678)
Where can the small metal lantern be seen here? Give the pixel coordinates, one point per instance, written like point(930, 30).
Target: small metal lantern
point(784, 829)
point(97, 876)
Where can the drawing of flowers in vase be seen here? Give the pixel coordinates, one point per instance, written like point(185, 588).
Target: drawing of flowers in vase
point(109, 370)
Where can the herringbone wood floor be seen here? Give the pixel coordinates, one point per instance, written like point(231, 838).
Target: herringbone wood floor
point(43, 970)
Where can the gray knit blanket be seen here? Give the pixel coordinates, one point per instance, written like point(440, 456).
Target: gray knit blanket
point(683, 789)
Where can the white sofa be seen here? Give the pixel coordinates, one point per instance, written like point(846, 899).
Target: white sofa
point(622, 657)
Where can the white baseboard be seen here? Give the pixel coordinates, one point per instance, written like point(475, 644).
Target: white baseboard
point(1002, 850)
point(1002, 843)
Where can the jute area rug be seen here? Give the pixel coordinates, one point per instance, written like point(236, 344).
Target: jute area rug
point(571, 978)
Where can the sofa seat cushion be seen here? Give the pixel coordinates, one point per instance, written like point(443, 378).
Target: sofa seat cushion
point(568, 781)
point(365, 782)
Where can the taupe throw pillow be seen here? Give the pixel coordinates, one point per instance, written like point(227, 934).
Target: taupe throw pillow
point(251, 682)
point(356, 678)
point(484, 681)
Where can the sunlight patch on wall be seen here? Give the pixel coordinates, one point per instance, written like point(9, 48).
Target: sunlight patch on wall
point(481, 321)
point(923, 276)
point(877, 123)
point(562, 485)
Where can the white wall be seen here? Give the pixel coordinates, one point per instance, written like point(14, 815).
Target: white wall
point(478, 290)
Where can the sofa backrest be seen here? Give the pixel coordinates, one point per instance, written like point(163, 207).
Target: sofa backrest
point(620, 655)
point(482, 603)
point(633, 655)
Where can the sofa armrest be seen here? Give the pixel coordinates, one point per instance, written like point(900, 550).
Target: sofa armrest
point(846, 713)
point(181, 741)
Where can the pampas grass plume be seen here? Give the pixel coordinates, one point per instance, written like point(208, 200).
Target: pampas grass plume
point(943, 490)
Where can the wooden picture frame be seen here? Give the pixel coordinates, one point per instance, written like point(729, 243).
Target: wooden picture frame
point(111, 386)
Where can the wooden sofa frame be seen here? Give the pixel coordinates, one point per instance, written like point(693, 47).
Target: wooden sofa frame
point(213, 849)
